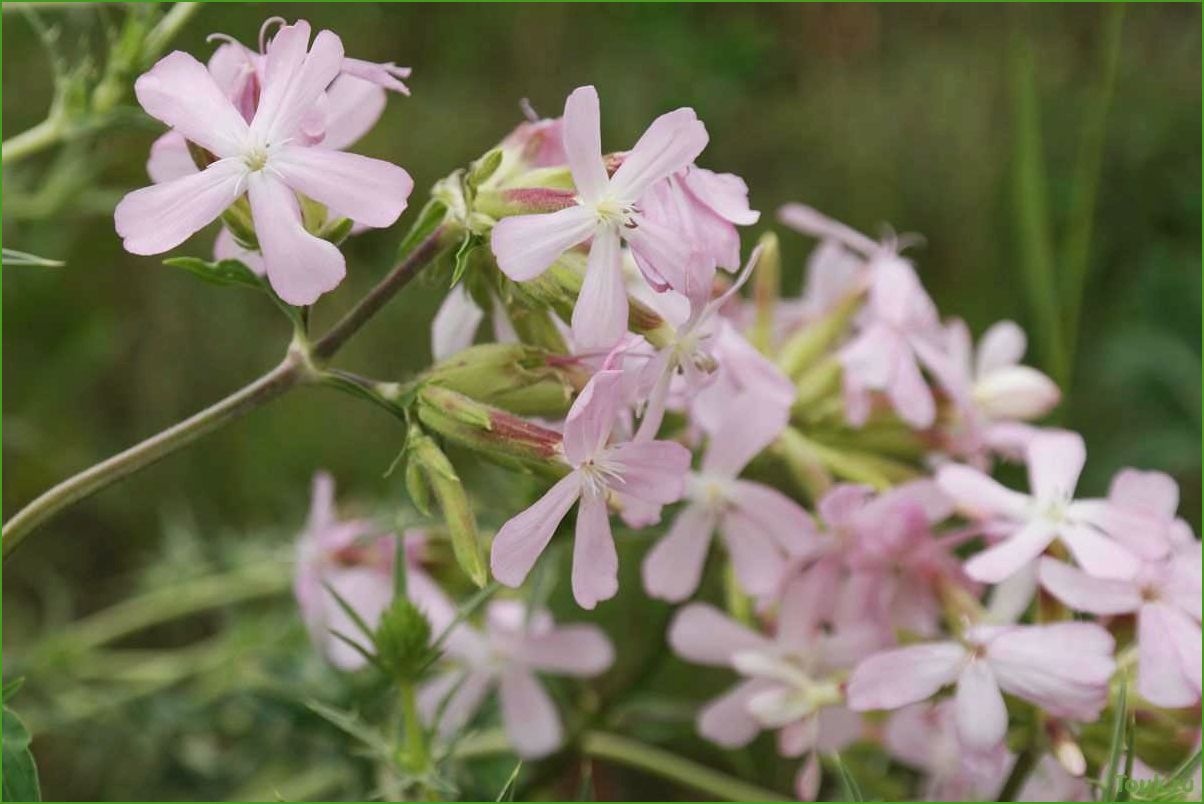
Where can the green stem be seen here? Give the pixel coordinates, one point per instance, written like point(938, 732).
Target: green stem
point(1020, 772)
point(167, 29)
point(296, 368)
point(417, 756)
point(162, 605)
point(32, 140)
point(634, 754)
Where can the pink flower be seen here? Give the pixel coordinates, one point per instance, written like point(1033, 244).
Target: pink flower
point(1064, 668)
point(899, 333)
point(924, 736)
point(791, 682)
point(703, 208)
point(649, 471)
point(759, 524)
point(1164, 594)
point(606, 211)
point(507, 655)
point(265, 159)
point(1030, 523)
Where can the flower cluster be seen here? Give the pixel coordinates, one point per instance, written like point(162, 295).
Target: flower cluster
point(839, 444)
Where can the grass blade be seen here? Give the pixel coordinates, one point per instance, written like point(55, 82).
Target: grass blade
point(507, 791)
point(1110, 781)
point(851, 790)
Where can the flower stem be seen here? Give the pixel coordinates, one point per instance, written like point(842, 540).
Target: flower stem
point(296, 368)
point(31, 140)
point(416, 757)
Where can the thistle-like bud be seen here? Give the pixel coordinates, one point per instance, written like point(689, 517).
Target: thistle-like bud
point(402, 640)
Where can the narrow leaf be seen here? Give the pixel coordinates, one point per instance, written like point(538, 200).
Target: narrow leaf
point(13, 258)
point(224, 272)
point(349, 611)
point(852, 791)
point(20, 782)
point(467, 610)
point(507, 792)
point(1110, 780)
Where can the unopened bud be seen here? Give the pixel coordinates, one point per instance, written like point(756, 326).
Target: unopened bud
point(483, 169)
point(1016, 393)
point(811, 342)
point(767, 287)
point(500, 203)
point(441, 477)
point(512, 376)
point(804, 465)
point(486, 429)
point(1069, 754)
point(402, 640)
point(237, 219)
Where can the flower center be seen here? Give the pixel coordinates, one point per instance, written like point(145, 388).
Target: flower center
point(611, 212)
point(255, 157)
point(598, 474)
point(798, 694)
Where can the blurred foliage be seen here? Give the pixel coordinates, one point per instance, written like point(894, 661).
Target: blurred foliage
point(874, 114)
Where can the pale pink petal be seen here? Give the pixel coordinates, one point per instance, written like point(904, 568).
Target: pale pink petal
point(781, 518)
point(663, 254)
point(294, 80)
point(369, 191)
point(842, 502)
point(978, 495)
point(895, 678)
point(1168, 672)
point(300, 266)
point(1063, 667)
point(1145, 533)
point(674, 140)
point(1055, 460)
point(909, 394)
point(321, 503)
point(757, 561)
point(1082, 592)
point(525, 245)
point(652, 471)
point(225, 247)
point(982, 718)
point(673, 567)
point(725, 193)
point(528, 714)
point(595, 562)
point(740, 438)
point(455, 324)
point(1005, 558)
point(810, 221)
point(726, 720)
point(702, 634)
point(839, 727)
point(592, 416)
point(1096, 553)
point(160, 217)
point(521, 541)
point(385, 75)
point(353, 106)
point(1011, 597)
point(169, 158)
point(582, 134)
point(467, 691)
point(180, 92)
point(1001, 346)
point(808, 779)
point(1152, 492)
point(571, 650)
point(600, 314)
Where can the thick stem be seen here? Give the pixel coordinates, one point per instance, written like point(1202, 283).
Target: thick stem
point(31, 141)
point(88, 482)
point(296, 367)
point(417, 757)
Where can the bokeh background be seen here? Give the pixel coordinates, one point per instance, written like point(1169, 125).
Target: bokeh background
point(932, 119)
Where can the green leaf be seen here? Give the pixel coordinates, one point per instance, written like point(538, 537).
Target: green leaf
point(13, 258)
point(224, 272)
point(467, 246)
point(507, 791)
point(431, 217)
point(1110, 781)
point(351, 724)
point(851, 790)
point(11, 687)
point(20, 781)
point(482, 169)
point(351, 613)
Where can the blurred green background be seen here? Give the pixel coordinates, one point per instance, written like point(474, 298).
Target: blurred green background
point(909, 115)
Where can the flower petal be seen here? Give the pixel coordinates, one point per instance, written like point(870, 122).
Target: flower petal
point(600, 315)
point(673, 567)
point(1096, 553)
point(169, 158)
point(467, 691)
point(455, 324)
point(1082, 592)
point(898, 677)
point(652, 471)
point(726, 720)
point(369, 191)
point(702, 634)
point(1001, 346)
point(525, 245)
point(571, 650)
point(519, 543)
point(674, 140)
point(294, 80)
point(595, 562)
point(662, 252)
point(582, 134)
point(180, 92)
point(1062, 667)
point(1152, 492)
point(757, 561)
point(725, 193)
point(1005, 558)
point(353, 106)
point(982, 718)
point(160, 217)
point(1055, 460)
point(528, 714)
point(980, 496)
point(1168, 671)
point(778, 516)
point(225, 247)
point(592, 416)
point(300, 266)
point(740, 438)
